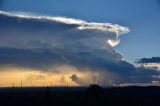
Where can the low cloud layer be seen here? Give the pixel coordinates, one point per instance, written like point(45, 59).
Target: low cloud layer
point(150, 63)
point(149, 60)
point(46, 42)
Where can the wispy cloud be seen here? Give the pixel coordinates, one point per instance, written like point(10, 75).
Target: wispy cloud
point(81, 23)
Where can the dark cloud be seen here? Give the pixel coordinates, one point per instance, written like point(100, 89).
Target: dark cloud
point(37, 58)
point(143, 75)
point(149, 60)
point(35, 42)
point(74, 77)
point(43, 42)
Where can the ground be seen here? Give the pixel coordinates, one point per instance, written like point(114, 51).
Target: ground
point(80, 96)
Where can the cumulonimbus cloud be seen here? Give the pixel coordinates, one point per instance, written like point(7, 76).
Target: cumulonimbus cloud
point(45, 42)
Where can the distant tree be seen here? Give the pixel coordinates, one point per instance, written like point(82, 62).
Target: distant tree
point(94, 90)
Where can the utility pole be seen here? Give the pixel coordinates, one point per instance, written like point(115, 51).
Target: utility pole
point(51, 84)
point(13, 85)
point(21, 83)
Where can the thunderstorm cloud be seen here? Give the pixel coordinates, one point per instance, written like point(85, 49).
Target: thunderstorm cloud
point(46, 42)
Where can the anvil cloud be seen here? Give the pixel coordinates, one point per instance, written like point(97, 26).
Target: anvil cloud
point(46, 42)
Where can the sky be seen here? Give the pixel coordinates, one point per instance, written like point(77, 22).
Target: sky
point(83, 37)
point(142, 17)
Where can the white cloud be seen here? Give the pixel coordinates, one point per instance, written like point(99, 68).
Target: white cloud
point(113, 42)
point(82, 24)
point(152, 65)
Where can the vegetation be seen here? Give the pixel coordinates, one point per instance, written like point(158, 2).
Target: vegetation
point(94, 95)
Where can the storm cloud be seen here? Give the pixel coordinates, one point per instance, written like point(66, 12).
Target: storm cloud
point(44, 42)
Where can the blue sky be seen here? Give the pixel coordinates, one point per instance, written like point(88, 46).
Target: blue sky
point(141, 16)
